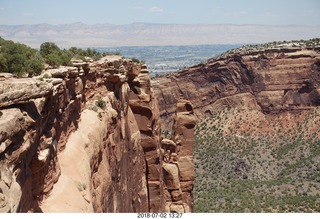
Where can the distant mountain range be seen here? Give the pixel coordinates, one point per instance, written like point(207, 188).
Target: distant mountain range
point(145, 34)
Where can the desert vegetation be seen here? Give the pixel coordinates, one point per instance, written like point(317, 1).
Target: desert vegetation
point(246, 161)
point(22, 60)
point(19, 59)
point(275, 45)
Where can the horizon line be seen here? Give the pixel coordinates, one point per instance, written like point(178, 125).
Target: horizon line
point(150, 23)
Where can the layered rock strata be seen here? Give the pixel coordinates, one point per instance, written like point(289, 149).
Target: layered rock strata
point(270, 79)
point(81, 139)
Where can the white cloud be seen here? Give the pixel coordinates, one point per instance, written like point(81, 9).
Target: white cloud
point(155, 9)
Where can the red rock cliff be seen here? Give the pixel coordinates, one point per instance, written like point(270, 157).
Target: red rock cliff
point(267, 79)
point(178, 161)
point(86, 139)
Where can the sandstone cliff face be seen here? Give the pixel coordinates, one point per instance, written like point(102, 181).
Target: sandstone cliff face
point(37, 117)
point(145, 109)
point(178, 165)
point(85, 140)
point(88, 140)
point(270, 80)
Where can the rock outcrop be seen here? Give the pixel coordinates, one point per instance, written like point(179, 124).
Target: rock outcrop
point(267, 79)
point(85, 139)
point(37, 118)
point(145, 109)
point(178, 164)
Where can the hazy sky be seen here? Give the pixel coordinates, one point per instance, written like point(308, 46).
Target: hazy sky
point(269, 12)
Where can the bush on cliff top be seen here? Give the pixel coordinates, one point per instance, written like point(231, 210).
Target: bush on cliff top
point(19, 59)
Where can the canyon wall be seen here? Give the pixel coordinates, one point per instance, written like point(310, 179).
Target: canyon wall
point(267, 79)
point(178, 161)
point(84, 139)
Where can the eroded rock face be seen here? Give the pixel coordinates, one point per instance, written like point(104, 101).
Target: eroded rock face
point(37, 118)
point(270, 80)
point(178, 161)
point(92, 131)
point(145, 109)
point(119, 181)
point(87, 139)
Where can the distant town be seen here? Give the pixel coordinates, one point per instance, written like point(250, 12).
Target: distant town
point(166, 59)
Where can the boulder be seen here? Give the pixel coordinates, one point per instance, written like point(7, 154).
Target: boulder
point(177, 208)
point(176, 195)
point(22, 90)
point(11, 127)
point(171, 176)
point(5, 76)
point(168, 144)
point(186, 168)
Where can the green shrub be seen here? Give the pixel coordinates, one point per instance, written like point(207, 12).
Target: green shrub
point(138, 61)
point(19, 59)
point(54, 59)
point(82, 186)
point(34, 67)
point(101, 103)
point(46, 75)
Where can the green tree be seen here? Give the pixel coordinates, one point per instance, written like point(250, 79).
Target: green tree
point(48, 48)
point(34, 67)
point(17, 59)
point(79, 53)
point(54, 56)
point(54, 59)
point(65, 57)
point(3, 63)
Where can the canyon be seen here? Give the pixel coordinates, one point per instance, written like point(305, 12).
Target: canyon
point(257, 134)
point(105, 137)
point(87, 139)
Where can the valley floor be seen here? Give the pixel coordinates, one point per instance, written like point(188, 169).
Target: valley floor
point(247, 161)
